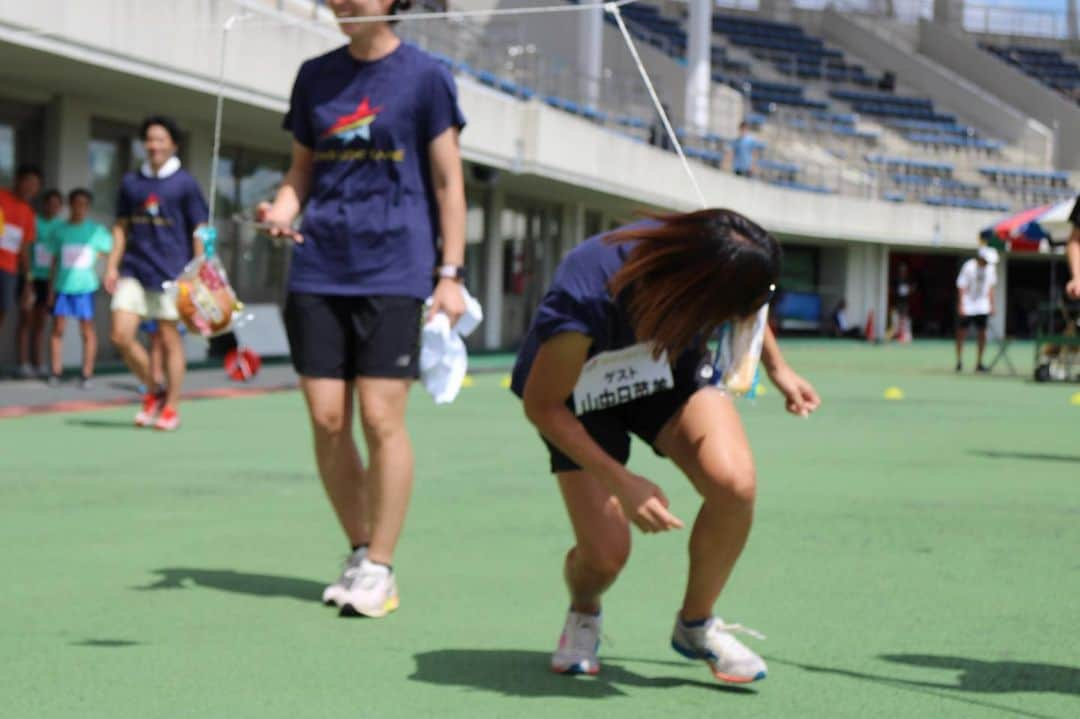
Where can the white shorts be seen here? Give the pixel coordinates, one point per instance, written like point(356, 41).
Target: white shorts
point(131, 296)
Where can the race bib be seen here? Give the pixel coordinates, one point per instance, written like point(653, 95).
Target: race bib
point(42, 256)
point(77, 257)
point(11, 239)
point(620, 376)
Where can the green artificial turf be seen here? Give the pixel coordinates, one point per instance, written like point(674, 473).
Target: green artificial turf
point(913, 558)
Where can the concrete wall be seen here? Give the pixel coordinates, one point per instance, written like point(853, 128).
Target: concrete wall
point(972, 103)
point(959, 53)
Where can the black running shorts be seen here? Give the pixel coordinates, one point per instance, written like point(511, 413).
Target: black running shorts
point(40, 290)
point(977, 321)
point(339, 337)
point(611, 428)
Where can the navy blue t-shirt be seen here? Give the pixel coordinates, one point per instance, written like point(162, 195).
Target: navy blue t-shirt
point(371, 223)
point(162, 214)
point(579, 301)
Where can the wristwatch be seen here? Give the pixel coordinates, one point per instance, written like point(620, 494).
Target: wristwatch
point(450, 272)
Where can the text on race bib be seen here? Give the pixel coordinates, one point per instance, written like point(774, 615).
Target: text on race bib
point(42, 256)
point(613, 378)
point(11, 238)
point(77, 257)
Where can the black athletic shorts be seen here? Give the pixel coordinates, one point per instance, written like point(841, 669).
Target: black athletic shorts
point(41, 291)
point(976, 321)
point(611, 428)
point(339, 337)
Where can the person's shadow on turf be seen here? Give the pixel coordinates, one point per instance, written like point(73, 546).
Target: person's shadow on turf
point(226, 580)
point(1000, 677)
point(520, 673)
point(995, 677)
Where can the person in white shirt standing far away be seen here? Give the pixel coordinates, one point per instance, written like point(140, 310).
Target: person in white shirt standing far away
point(975, 302)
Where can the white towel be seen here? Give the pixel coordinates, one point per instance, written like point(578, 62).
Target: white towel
point(443, 358)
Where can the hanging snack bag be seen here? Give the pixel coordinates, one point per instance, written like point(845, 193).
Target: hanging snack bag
point(204, 298)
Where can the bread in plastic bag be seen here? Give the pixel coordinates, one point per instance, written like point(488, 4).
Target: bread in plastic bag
point(204, 298)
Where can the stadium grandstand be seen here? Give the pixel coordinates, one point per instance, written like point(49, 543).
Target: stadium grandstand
point(883, 136)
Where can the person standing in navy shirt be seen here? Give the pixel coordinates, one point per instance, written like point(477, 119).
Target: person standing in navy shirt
point(376, 168)
point(158, 212)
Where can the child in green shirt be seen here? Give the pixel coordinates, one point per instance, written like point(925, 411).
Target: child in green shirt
point(76, 245)
point(34, 304)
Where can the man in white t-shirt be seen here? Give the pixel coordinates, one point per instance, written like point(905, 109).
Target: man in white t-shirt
point(975, 302)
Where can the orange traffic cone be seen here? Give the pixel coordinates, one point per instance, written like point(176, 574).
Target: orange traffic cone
point(869, 331)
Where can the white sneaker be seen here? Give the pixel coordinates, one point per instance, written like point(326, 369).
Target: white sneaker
point(334, 593)
point(372, 591)
point(714, 642)
point(578, 645)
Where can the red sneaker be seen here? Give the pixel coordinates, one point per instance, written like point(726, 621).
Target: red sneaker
point(151, 405)
point(168, 420)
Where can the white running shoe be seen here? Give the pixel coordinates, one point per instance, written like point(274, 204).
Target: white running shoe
point(578, 645)
point(714, 642)
point(372, 591)
point(334, 593)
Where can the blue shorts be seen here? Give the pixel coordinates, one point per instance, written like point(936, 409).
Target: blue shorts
point(80, 306)
point(151, 327)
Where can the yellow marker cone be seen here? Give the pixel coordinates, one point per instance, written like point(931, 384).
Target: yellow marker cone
point(468, 381)
point(894, 393)
point(1075, 399)
point(505, 381)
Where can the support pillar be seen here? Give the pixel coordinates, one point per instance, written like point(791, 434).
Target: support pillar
point(493, 268)
point(698, 65)
point(591, 54)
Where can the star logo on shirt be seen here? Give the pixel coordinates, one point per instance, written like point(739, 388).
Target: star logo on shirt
point(356, 124)
point(152, 205)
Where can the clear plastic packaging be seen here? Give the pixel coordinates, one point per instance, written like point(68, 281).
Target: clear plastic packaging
point(740, 352)
point(204, 298)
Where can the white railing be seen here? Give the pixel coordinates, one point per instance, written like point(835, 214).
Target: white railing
point(1015, 21)
point(502, 53)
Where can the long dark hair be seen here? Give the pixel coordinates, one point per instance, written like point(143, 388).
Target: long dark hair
point(689, 273)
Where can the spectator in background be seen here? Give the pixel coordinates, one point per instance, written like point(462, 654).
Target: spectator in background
point(75, 246)
point(887, 82)
point(658, 136)
point(17, 235)
point(975, 302)
point(841, 326)
point(902, 290)
point(159, 212)
point(34, 310)
point(1072, 289)
point(744, 151)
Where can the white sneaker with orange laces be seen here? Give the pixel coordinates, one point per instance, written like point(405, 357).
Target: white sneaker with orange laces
point(714, 642)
